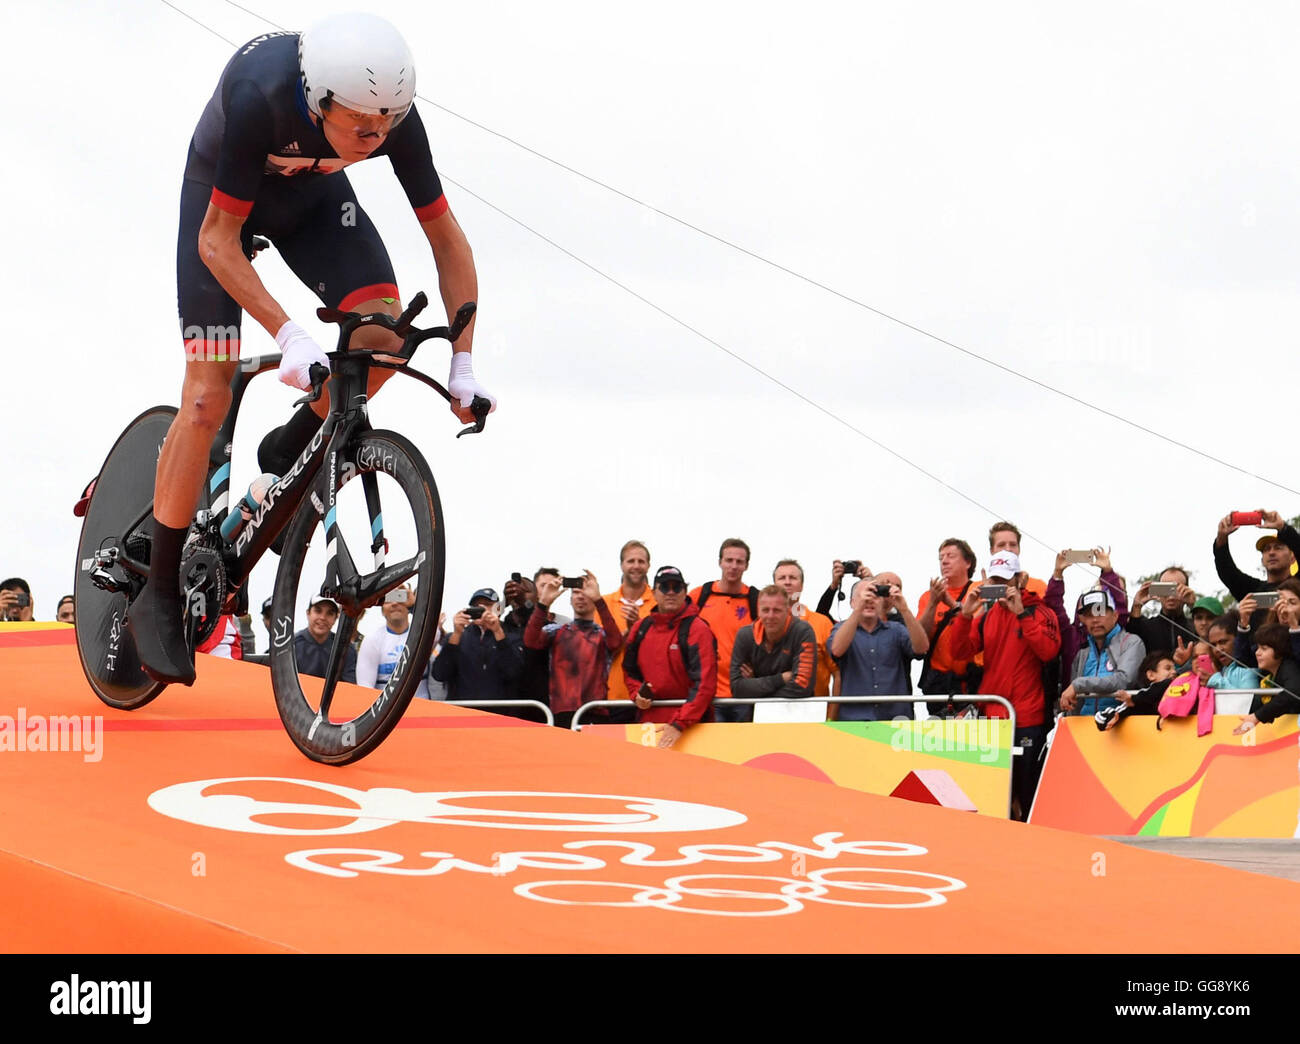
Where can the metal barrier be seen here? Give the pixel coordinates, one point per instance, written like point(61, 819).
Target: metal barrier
point(576, 725)
point(496, 704)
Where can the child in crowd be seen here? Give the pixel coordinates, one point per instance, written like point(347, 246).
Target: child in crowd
point(1280, 670)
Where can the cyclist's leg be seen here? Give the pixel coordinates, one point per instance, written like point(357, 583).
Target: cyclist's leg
point(210, 329)
point(335, 249)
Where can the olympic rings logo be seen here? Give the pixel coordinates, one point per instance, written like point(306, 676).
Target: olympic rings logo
point(788, 897)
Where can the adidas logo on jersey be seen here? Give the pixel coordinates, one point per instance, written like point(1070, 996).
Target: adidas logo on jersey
point(293, 148)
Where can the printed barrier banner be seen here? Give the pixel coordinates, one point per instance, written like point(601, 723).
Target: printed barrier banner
point(873, 756)
point(1170, 783)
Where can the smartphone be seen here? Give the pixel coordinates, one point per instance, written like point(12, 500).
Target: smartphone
point(1265, 599)
point(1159, 590)
point(474, 612)
point(397, 596)
point(1204, 663)
point(516, 577)
point(573, 582)
point(1247, 518)
point(1078, 558)
point(992, 592)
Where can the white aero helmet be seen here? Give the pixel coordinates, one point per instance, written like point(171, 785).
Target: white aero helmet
point(360, 60)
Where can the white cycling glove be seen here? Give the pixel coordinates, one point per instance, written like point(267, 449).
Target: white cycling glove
point(462, 385)
point(299, 352)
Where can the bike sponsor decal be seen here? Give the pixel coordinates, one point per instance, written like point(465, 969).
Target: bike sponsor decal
point(283, 632)
point(786, 885)
point(374, 458)
point(274, 493)
point(114, 642)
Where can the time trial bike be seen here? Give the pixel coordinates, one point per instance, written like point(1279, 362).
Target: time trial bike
point(396, 520)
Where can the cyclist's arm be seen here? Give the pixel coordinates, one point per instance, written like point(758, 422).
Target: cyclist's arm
point(457, 277)
point(221, 251)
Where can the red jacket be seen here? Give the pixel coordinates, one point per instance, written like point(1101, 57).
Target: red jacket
point(1015, 649)
point(655, 659)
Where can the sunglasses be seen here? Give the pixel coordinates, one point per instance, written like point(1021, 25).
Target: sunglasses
point(671, 586)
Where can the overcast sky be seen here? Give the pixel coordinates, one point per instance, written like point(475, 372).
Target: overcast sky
point(1101, 198)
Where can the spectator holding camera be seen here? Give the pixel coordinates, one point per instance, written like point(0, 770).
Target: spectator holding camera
point(777, 655)
point(1109, 662)
point(477, 661)
point(1004, 536)
point(1074, 634)
point(16, 604)
point(579, 651)
point(1278, 551)
point(1285, 611)
point(382, 650)
point(671, 655)
point(1018, 635)
point(520, 593)
point(853, 569)
point(875, 654)
point(1172, 629)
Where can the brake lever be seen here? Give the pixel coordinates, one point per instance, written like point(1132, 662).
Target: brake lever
point(480, 407)
point(319, 375)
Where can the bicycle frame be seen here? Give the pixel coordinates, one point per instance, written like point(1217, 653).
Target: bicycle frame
point(347, 418)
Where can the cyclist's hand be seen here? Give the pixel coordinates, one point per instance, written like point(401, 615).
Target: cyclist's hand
point(299, 352)
point(463, 387)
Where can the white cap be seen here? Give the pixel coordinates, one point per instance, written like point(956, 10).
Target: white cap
point(1004, 565)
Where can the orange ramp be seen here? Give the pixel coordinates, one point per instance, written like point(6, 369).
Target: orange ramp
point(196, 826)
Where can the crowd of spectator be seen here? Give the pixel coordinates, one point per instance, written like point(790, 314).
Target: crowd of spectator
point(665, 652)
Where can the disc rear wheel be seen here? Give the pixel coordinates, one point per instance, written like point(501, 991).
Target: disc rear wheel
point(118, 517)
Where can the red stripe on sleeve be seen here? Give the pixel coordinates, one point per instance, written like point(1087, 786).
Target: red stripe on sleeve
point(231, 205)
point(433, 210)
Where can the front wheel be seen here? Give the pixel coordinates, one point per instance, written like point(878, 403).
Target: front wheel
point(390, 519)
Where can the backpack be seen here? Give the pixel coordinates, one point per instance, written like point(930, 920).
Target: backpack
point(707, 590)
point(638, 633)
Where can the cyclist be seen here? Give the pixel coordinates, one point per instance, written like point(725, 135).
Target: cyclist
point(290, 111)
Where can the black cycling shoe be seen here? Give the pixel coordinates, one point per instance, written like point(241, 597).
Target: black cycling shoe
point(160, 641)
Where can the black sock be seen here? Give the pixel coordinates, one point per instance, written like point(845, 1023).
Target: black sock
point(282, 446)
point(165, 563)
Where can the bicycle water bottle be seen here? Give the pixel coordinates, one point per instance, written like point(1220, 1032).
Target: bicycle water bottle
point(248, 504)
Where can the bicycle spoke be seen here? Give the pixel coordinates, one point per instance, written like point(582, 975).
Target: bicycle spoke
point(338, 660)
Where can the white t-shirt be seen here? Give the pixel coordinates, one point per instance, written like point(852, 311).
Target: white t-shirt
point(378, 657)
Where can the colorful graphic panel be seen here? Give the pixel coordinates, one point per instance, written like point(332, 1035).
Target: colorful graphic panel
point(873, 756)
point(1136, 779)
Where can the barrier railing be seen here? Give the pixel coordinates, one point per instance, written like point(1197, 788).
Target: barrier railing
point(576, 725)
point(498, 704)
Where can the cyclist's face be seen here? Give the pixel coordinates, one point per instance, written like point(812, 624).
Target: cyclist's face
point(354, 135)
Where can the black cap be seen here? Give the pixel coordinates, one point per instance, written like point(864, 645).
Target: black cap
point(484, 592)
point(266, 607)
point(669, 573)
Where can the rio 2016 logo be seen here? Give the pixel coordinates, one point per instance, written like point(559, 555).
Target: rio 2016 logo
point(730, 894)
